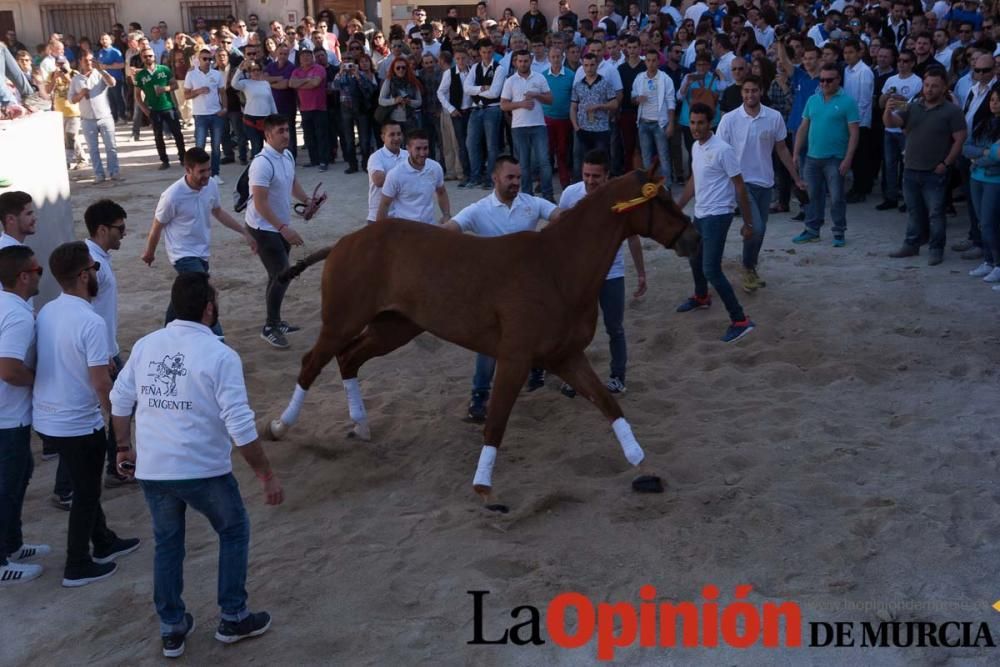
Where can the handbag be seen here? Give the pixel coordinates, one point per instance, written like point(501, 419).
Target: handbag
point(382, 114)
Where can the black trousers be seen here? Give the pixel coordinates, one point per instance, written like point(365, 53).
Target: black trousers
point(866, 162)
point(83, 456)
point(273, 251)
point(171, 120)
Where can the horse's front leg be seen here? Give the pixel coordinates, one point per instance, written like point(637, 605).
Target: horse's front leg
point(507, 383)
point(578, 372)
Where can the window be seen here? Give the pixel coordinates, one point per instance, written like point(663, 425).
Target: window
point(213, 11)
point(78, 19)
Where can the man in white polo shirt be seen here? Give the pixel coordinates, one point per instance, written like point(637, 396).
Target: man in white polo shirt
point(269, 217)
point(716, 186)
point(381, 162)
point(72, 381)
point(595, 170)
point(17, 214)
point(19, 276)
point(523, 95)
point(409, 189)
point(190, 402)
point(206, 89)
point(182, 216)
point(506, 210)
point(105, 222)
point(755, 132)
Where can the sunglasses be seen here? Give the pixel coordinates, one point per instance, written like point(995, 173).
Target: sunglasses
point(96, 266)
point(983, 70)
point(119, 228)
point(205, 60)
point(39, 270)
point(834, 80)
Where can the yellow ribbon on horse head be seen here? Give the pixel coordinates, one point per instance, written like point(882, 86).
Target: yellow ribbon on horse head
point(649, 191)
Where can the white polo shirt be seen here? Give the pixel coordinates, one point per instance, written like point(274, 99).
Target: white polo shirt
point(714, 164)
point(185, 214)
point(514, 89)
point(412, 190)
point(385, 161)
point(17, 341)
point(573, 194)
point(72, 339)
point(6, 240)
point(106, 302)
point(209, 103)
point(276, 172)
point(190, 403)
point(490, 217)
point(753, 138)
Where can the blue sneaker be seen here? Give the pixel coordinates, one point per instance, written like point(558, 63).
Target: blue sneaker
point(806, 236)
point(738, 330)
point(695, 303)
point(839, 242)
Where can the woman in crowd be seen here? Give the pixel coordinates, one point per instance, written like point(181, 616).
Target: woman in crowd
point(401, 91)
point(258, 105)
point(379, 47)
point(983, 149)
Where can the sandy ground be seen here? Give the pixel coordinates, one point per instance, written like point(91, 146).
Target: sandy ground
point(840, 455)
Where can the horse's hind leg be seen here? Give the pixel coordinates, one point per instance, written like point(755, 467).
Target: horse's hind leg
point(578, 372)
point(328, 343)
point(387, 332)
point(507, 383)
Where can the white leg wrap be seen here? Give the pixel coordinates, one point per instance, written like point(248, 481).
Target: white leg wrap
point(355, 404)
point(291, 413)
point(633, 452)
point(484, 471)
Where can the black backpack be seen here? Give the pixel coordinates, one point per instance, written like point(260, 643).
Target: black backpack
point(241, 193)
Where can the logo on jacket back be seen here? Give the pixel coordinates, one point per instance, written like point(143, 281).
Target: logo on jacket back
point(166, 373)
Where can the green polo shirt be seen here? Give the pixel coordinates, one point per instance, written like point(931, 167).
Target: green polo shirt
point(828, 121)
point(147, 81)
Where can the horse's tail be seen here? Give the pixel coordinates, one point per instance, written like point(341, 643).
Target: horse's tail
point(294, 272)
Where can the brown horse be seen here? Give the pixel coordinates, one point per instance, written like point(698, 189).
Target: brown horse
point(528, 299)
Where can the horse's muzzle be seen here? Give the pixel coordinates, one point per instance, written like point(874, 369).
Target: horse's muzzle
point(687, 244)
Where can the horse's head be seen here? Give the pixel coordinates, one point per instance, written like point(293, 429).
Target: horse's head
point(651, 212)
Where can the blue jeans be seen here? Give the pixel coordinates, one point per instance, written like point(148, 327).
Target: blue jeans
point(822, 176)
point(348, 120)
point(116, 100)
point(235, 139)
point(924, 195)
point(213, 126)
point(482, 378)
point(218, 499)
point(531, 148)
point(16, 466)
point(105, 127)
point(612, 301)
point(706, 264)
point(461, 125)
point(986, 201)
point(653, 143)
point(893, 145)
point(760, 202)
point(484, 126)
point(189, 265)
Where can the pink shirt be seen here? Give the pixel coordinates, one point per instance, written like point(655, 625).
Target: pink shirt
point(311, 99)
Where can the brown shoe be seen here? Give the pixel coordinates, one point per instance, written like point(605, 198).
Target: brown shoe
point(905, 251)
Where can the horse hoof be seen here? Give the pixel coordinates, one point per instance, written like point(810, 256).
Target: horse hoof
point(360, 431)
point(647, 484)
point(276, 429)
point(497, 507)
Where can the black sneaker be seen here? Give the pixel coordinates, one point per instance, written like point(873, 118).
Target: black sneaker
point(567, 390)
point(477, 407)
point(887, 205)
point(88, 574)
point(164, 166)
point(173, 645)
point(118, 548)
point(287, 328)
point(800, 216)
point(64, 503)
point(254, 625)
point(353, 169)
point(536, 380)
point(274, 337)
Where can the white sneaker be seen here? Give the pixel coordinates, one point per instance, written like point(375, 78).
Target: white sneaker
point(615, 385)
point(16, 573)
point(996, 288)
point(29, 551)
point(981, 270)
point(993, 276)
point(218, 180)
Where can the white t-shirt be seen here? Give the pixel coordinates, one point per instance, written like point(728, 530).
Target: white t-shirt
point(412, 191)
point(514, 89)
point(660, 97)
point(186, 218)
point(725, 70)
point(106, 302)
point(714, 164)
point(490, 217)
point(907, 87)
point(573, 194)
point(17, 341)
point(695, 11)
point(209, 103)
point(385, 161)
point(753, 138)
point(276, 172)
point(72, 339)
point(190, 403)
